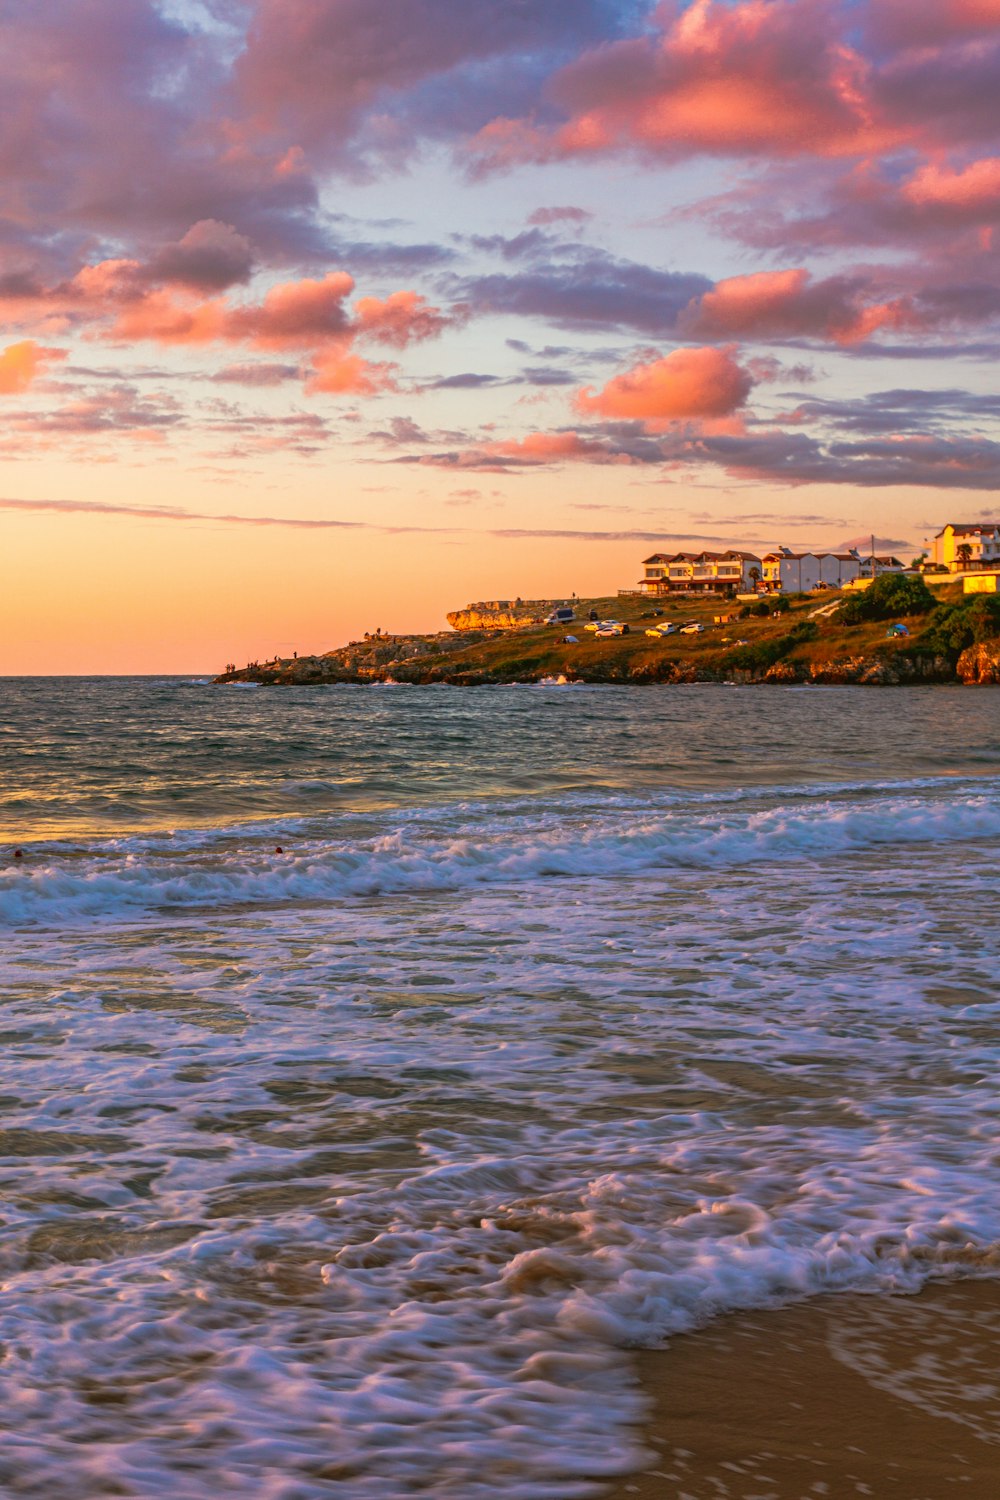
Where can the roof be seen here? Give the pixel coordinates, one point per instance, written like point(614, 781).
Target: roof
point(784, 555)
point(963, 528)
point(734, 554)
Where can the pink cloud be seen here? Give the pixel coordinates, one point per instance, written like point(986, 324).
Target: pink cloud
point(769, 76)
point(341, 373)
point(921, 23)
point(311, 315)
point(401, 318)
point(534, 451)
point(689, 383)
point(553, 447)
point(788, 304)
point(970, 193)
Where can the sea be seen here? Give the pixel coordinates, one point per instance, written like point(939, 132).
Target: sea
point(381, 1066)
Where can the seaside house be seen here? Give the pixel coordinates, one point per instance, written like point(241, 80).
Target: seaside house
point(875, 566)
point(964, 548)
point(733, 571)
point(791, 572)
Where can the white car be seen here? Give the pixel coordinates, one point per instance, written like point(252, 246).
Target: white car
point(695, 628)
point(609, 628)
point(668, 627)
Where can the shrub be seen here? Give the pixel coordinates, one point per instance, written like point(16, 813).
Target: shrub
point(782, 604)
point(890, 595)
point(953, 627)
point(763, 654)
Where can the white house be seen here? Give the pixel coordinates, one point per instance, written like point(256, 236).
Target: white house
point(791, 572)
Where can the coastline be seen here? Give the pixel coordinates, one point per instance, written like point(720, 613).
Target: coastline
point(844, 1395)
point(792, 641)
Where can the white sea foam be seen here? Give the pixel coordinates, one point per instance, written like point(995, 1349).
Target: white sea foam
point(309, 1193)
point(411, 859)
point(369, 1198)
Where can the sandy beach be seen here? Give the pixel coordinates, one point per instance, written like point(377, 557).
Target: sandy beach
point(845, 1395)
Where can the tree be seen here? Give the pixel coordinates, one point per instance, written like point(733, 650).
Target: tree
point(964, 554)
point(754, 577)
point(891, 595)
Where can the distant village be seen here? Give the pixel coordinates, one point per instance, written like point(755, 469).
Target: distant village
point(958, 548)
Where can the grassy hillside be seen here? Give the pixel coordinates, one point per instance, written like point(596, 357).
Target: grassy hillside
point(793, 644)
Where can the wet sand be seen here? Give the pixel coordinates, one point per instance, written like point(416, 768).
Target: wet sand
point(897, 1398)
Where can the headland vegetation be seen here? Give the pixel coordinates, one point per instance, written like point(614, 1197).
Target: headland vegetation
point(894, 632)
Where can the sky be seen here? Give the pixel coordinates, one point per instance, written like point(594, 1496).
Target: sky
point(322, 316)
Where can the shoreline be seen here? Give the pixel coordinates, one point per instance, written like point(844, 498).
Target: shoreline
point(846, 1394)
point(697, 680)
point(791, 641)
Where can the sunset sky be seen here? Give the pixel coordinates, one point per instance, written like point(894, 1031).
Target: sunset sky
point(322, 315)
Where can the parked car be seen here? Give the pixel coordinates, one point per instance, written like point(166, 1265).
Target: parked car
point(695, 628)
point(669, 627)
point(610, 628)
point(617, 625)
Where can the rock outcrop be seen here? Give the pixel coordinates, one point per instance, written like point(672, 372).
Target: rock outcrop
point(501, 614)
point(882, 671)
point(979, 665)
point(359, 661)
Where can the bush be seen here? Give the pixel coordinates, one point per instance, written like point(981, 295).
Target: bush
point(889, 596)
point(763, 654)
point(782, 604)
point(953, 627)
point(756, 658)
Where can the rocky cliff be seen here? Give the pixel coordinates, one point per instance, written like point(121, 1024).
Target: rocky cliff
point(980, 664)
point(372, 659)
point(501, 614)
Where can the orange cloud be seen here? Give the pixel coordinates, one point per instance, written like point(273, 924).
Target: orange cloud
point(400, 319)
point(295, 313)
point(120, 302)
point(340, 373)
point(22, 363)
point(788, 304)
point(972, 189)
point(164, 318)
point(770, 76)
point(698, 383)
point(551, 447)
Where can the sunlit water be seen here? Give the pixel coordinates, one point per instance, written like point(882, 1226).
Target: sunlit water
point(567, 1018)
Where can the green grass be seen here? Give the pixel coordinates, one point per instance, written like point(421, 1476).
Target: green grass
point(534, 652)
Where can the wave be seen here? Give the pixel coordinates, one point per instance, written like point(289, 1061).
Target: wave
point(411, 859)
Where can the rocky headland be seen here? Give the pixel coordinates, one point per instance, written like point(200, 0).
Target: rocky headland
point(890, 636)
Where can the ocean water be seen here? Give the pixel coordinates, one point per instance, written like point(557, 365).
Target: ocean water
point(565, 1020)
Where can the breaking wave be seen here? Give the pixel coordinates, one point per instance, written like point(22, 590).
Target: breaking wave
point(105, 880)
